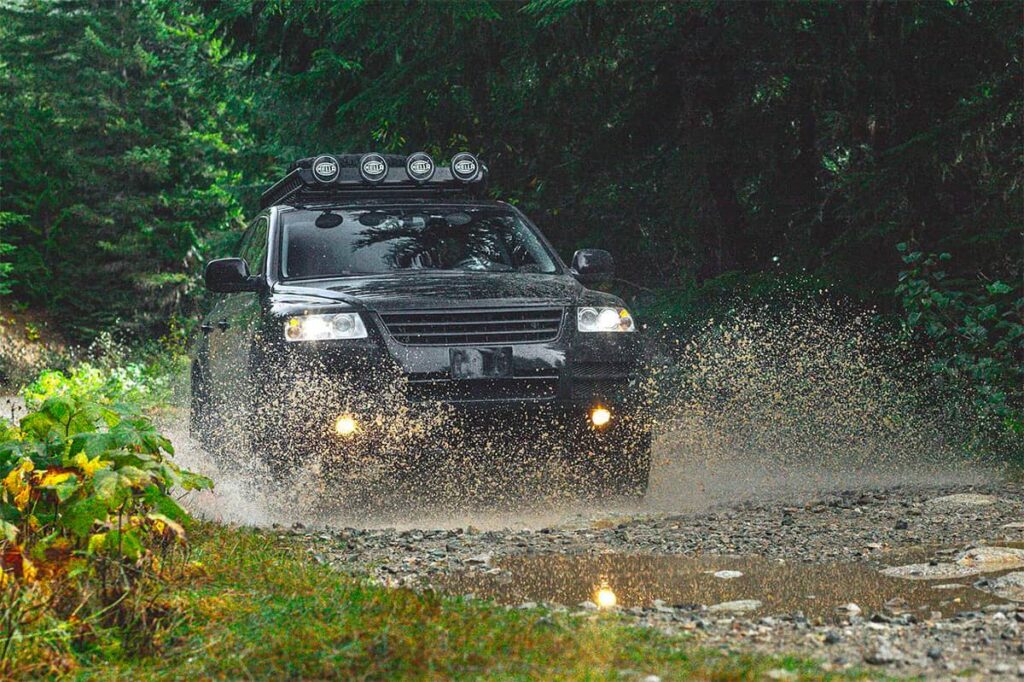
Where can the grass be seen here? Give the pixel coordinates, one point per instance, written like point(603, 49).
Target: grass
point(261, 609)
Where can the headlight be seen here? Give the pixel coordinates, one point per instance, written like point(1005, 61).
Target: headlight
point(324, 327)
point(604, 320)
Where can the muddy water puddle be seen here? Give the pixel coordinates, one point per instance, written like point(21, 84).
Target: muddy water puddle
point(638, 580)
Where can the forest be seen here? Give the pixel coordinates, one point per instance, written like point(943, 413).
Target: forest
point(816, 211)
point(719, 150)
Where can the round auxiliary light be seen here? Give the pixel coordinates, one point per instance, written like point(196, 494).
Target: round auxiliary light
point(465, 167)
point(373, 167)
point(346, 425)
point(600, 416)
point(326, 168)
point(419, 166)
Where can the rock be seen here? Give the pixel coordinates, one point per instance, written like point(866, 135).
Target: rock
point(961, 500)
point(832, 637)
point(850, 609)
point(737, 606)
point(588, 605)
point(971, 562)
point(902, 525)
point(948, 586)
point(935, 653)
point(883, 654)
point(728, 575)
point(479, 560)
point(1009, 586)
point(651, 678)
point(1016, 525)
point(780, 674)
point(992, 558)
point(528, 605)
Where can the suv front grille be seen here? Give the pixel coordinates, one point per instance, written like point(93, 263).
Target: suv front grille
point(475, 326)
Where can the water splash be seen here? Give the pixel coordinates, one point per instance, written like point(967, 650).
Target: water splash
point(764, 403)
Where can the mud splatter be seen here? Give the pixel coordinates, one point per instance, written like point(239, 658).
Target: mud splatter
point(762, 404)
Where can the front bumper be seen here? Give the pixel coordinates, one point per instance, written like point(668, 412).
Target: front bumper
point(391, 387)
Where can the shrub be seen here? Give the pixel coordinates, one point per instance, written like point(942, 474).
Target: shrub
point(973, 327)
point(89, 530)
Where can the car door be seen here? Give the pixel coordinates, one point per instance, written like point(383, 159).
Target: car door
point(232, 322)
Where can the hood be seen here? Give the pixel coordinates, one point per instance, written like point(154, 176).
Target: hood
point(419, 290)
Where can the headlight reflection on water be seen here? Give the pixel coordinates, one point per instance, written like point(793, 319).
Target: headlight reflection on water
point(605, 597)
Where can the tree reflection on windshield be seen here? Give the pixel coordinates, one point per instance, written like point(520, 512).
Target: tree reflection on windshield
point(435, 238)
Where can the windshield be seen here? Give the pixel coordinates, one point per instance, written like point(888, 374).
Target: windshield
point(355, 241)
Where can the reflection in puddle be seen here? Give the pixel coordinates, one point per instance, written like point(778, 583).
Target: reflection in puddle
point(637, 580)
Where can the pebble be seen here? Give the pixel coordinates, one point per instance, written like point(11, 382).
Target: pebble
point(883, 654)
point(728, 575)
point(962, 500)
point(737, 605)
point(1008, 586)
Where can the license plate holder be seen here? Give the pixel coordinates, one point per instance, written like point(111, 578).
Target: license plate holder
point(480, 363)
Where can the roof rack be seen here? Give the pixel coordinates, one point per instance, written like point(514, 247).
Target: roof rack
point(329, 176)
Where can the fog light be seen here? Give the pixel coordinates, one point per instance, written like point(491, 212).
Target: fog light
point(600, 416)
point(346, 425)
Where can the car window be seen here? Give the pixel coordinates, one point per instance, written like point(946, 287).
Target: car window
point(254, 245)
point(375, 240)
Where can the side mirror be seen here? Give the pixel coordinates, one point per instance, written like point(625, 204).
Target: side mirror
point(229, 275)
point(592, 266)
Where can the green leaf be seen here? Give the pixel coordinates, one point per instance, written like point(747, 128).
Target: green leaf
point(80, 516)
point(164, 504)
point(998, 287)
point(127, 541)
point(66, 489)
point(8, 531)
point(109, 487)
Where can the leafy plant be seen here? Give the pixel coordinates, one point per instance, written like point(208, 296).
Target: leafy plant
point(6, 249)
point(974, 327)
point(134, 383)
point(89, 527)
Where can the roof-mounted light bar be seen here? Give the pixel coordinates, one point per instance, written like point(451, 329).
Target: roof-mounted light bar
point(373, 168)
point(322, 177)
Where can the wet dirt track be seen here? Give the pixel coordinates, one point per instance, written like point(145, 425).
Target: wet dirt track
point(809, 544)
point(802, 567)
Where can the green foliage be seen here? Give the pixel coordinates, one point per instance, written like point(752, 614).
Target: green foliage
point(691, 139)
point(120, 125)
point(88, 523)
point(135, 383)
point(6, 266)
point(974, 328)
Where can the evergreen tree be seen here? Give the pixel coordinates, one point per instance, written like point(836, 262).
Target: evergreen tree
point(120, 124)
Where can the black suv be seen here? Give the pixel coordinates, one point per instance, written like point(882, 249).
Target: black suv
point(377, 304)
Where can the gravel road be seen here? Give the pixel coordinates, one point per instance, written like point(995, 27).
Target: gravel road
point(833, 547)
